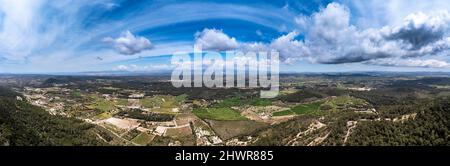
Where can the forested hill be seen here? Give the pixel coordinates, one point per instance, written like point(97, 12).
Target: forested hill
point(24, 124)
point(430, 125)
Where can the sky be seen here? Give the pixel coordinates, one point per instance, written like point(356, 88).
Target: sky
point(47, 36)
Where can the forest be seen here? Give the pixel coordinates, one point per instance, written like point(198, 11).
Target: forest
point(22, 124)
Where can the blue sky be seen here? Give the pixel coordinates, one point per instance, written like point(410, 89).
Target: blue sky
point(44, 36)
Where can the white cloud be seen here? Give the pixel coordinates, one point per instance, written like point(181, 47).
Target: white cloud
point(17, 39)
point(427, 63)
point(141, 68)
point(301, 21)
point(129, 44)
point(215, 40)
point(32, 31)
point(420, 29)
point(252, 63)
point(286, 45)
point(122, 67)
point(331, 39)
point(373, 13)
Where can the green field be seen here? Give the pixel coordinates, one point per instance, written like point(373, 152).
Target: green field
point(260, 102)
point(101, 104)
point(123, 102)
point(283, 113)
point(104, 115)
point(76, 94)
point(304, 109)
point(227, 103)
point(221, 114)
point(311, 108)
point(235, 101)
point(163, 101)
point(343, 102)
point(151, 102)
point(181, 98)
point(102, 107)
point(142, 139)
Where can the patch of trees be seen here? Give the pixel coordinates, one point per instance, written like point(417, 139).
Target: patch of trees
point(431, 127)
point(148, 116)
point(423, 82)
point(22, 124)
point(302, 96)
point(280, 134)
point(333, 91)
point(385, 97)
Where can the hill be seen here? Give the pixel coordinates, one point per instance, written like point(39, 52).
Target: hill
point(24, 124)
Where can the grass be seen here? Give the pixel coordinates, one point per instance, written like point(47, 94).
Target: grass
point(103, 105)
point(311, 108)
point(227, 103)
point(283, 113)
point(342, 102)
point(169, 102)
point(288, 91)
point(76, 94)
point(236, 101)
point(104, 115)
point(123, 102)
point(163, 101)
point(151, 102)
point(142, 139)
point(181, 98)
point(304, 109)
point(260, 102)
point(221, 114)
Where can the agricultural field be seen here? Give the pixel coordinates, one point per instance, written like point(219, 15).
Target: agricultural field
point(310, 110)
point(143, 139)
point(221, 114)
point(230, 129)
point(344, 103)
point(101, 104)
point(303, 109)
point(163, 103)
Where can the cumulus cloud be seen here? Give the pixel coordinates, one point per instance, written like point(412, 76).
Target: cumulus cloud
point(122, 67)
point(129, 44)
point(134, 67)
point(427, 63)
point(420, 29)
point(331, 39)
point(288, 47)
point(252, 63)
point(215, 40)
